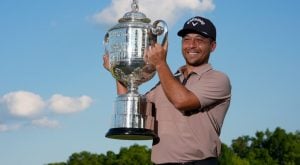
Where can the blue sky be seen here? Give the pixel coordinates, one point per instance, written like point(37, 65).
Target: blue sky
point(56, 99)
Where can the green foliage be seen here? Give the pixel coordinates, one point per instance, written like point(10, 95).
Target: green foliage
point(84, 158)
point(267, 148)
point(228, 157)
point(134, 155)
point(61, 163)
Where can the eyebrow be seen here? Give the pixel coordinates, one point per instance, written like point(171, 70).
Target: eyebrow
point(196, 36)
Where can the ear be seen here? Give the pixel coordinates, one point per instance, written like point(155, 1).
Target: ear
point(213, 46)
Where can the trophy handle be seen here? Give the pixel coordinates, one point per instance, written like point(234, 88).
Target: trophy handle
point(161, 30)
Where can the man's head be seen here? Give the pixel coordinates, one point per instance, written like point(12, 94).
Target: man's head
point(199, 25)
point(198, 40)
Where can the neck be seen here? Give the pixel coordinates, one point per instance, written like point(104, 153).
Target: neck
point(188, 69)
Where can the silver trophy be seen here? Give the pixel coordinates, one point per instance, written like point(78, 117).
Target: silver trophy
point(125, 43)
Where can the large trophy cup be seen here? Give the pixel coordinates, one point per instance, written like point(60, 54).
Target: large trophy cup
point(125, 43)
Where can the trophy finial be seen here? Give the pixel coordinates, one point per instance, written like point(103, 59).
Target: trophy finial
point(134, 15)
point(135, 6)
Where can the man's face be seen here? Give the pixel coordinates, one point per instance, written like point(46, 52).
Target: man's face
point(196, 49)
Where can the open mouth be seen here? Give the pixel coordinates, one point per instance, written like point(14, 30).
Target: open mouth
point(193, 52)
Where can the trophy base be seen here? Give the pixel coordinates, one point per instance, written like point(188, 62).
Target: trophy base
point(130, 134)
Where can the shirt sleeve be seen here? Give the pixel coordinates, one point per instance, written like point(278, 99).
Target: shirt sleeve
point(212, 86)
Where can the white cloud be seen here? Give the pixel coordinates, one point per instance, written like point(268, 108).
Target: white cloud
point(23, 104)
point(64, 105)
point(168, 10)
point(29, 105)
point(45, 122)
point(5, 127)
point(23, 107)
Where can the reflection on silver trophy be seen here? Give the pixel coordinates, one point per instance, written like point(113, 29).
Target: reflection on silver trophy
point(125, 43)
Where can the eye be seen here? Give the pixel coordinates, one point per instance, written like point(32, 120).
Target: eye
point(186, 39)
point(199, 40)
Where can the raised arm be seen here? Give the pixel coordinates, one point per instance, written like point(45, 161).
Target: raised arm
point(177, 94)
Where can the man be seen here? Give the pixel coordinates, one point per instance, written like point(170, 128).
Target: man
point(190, 105)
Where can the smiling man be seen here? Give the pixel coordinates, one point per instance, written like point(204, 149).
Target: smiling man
point(190, 105)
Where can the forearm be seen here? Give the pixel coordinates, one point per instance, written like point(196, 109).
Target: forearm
point(121, 88)
point(177, 94)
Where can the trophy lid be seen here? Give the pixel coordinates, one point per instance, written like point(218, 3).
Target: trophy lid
point(134, 15)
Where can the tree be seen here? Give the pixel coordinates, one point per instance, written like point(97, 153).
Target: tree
point(228, 157)
point(267, 148)
point(134, 155)
point(84, 158)
point(283, 147)
point(61, 163)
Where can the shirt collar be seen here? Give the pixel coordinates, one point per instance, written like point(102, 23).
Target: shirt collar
point(198, 70)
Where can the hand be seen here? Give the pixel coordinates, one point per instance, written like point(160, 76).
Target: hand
point(156, 54)
point(106, 64)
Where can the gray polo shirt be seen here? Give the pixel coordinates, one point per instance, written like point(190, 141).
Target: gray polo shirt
point(184, 137)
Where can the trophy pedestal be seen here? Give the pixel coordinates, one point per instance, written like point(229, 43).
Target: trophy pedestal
point(130, 134)
point(133, 118)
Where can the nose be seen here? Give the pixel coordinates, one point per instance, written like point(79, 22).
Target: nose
point(192, 43)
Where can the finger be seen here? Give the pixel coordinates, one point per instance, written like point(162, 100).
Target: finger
point(106, 64)
point(165, 46)
point(104, 61)
point(105, 56)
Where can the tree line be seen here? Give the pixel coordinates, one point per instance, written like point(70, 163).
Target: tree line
point(266, 147)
